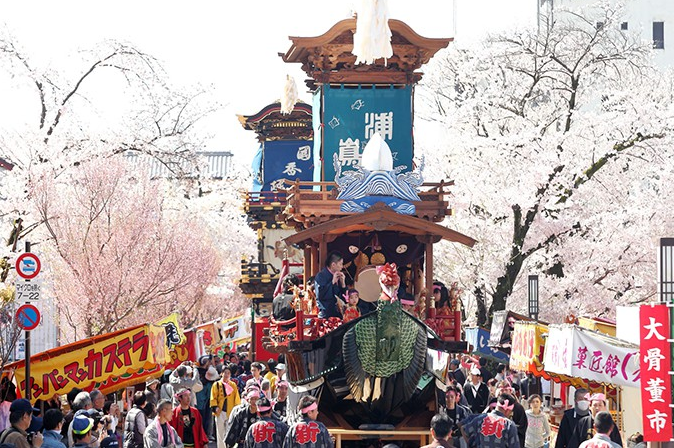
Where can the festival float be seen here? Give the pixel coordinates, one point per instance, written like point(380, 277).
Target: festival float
point(365, 198)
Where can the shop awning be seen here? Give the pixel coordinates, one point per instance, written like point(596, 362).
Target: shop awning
point(582, 353)
point(477, 340)
point(528, 349)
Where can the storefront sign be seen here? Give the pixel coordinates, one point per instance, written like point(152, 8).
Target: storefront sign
point(655, 357)
point(576, 352)
point(236, 328)
point(104, 362)
point(115, 355)
point(528, 351)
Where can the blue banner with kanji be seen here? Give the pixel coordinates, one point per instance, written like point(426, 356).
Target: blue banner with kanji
point(351, 115)
point(287, 159)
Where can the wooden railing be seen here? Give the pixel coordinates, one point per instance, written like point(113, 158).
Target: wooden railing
point(306, 326)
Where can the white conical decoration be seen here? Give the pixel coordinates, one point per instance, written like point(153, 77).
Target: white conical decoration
point(289, 97)
point(377, 155)
point(372, 39)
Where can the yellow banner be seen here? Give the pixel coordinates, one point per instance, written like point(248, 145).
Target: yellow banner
point(123, 353)
point(165, 335)
point(527, 347)
point(174, 334)
point(133, 353)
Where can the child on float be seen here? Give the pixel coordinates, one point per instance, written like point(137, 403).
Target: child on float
point(351, 312)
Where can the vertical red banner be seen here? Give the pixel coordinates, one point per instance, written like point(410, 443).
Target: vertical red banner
point(656, 390)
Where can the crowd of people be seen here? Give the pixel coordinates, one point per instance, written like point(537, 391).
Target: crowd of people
point(230, 402)
point(233, 402)
point(493, 410)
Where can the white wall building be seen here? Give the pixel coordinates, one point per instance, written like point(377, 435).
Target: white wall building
point(651, 20)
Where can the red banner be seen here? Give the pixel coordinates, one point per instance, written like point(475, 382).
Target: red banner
point(655, 357)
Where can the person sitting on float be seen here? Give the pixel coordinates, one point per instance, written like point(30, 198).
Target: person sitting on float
point(282, 306)
point(441, 297)
point(351, 312)
point(330, 284)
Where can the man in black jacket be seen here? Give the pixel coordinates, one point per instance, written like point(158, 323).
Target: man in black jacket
point(476, 392)
point(572, 431)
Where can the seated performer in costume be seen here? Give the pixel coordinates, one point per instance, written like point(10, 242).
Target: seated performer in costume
point(351, 312)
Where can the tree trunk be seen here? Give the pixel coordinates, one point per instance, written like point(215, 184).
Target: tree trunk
point(481, 313)
point(505, 283)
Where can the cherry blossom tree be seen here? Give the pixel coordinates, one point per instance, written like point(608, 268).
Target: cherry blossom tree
point(78, 122)
point(113, 99)
point(119, 254)
point(559, 143)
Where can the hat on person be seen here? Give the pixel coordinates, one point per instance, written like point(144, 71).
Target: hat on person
point(35, 424)
point(151, 381)
point(454, 362)
point(212, 374)
point(182, 392)
point(204, 359)
point(22, 405)
point(282, 383)
point(82, 424)
point(109, 442)
point(475, 371)
point(280, 367)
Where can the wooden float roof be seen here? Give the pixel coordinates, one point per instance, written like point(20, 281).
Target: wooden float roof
point(270, 124)
point(378, 218)
point(328, 58)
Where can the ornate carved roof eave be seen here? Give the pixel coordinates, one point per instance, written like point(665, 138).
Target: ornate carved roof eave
point(302, 44)
point(301, 112)
point(379, 219)
point(330, 51)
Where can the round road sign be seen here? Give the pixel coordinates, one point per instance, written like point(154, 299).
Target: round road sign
point(27, 266)
point(28, 317)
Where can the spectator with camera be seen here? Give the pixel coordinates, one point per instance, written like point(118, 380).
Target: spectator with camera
point(53, 423)
point(20, 416)
point(186, 376)
point(85, 431)
point(81, 403)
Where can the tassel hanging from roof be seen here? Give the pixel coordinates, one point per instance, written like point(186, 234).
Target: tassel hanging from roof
point(372, 39)
point(289, 97)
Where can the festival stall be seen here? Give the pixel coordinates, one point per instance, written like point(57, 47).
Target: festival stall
point(599, 359)
point(108, 362)
point(593, 356)
point(528, 349)
point(502, 328)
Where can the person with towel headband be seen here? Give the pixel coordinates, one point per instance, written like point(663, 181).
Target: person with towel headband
point(308, 432)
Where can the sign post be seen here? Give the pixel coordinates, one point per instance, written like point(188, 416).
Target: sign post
point(28, 316)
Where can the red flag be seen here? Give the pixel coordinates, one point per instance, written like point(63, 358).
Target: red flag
point(285, 270)
point(655, 368)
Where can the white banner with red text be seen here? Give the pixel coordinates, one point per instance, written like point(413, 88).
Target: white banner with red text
point(581, 353)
